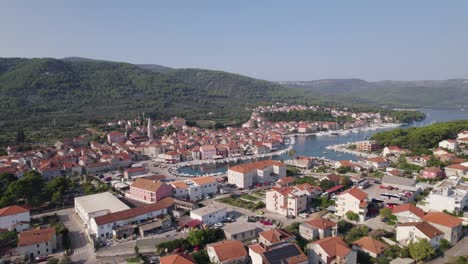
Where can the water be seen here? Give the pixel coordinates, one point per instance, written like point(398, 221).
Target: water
point(316, 145)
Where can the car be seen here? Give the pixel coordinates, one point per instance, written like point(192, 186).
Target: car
point(251, 219)
point(218, 225)
point(311, 210)
point(41, 258)
point(266, 222)
point(303, 215)
point(290, 217)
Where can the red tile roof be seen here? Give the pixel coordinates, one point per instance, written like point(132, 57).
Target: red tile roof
point(443, 219)
point(321, 223)
point(409, 207)
point(229, 250)
point(204, 180)
point(177, 259)
point(333, 246)
point(427, 229)
point(11, 210)
point(36, 236)
point(276, 235)
point(148, 185)
point(371, 245)
point(356, 192)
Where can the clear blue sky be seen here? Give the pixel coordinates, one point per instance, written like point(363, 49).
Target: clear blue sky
point(273, 40)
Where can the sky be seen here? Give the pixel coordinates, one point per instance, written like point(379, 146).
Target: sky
point(272, 40)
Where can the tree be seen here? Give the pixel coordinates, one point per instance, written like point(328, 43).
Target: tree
point(326, 184)
point(65, 260)
point(196, 237)
point(291, 153)
point(352, 216)
point(444, 244)
point(52, 261)
point(346, 182)
point(356, 233)
point(421, 250)
point(385, 213)
point(57, 198)
point(20, 137)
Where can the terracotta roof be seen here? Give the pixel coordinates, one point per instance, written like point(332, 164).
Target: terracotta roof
point(357, 193)
point(334, 188)
point(443, 219)
point(259, 165)
point(377, 159)
point(333, 246)
point(148, 185)
point(136, 169)
point(129, 213)
point(456, 167)
point(179, 185)
point(11, 210)
point(177, 259)
point(321, 223)
point(257, 248)
point(409, 207)
point(371, 245)
point(426, 228)
point(285, 180)
point(276, 235)
point(204, 180)
point(229, 250)
point(35, 236)
point(333, 177)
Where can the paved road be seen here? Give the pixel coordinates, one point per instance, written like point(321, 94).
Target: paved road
point(460, 249)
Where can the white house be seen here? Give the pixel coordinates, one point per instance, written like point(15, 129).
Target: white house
point(450, 144)
point(286, 200)
point(227, 251)
point(210, 214)
point(266, 171)
point(414, 231)
point(14, 218)
point(354, 200)
point(408, 213)
point(331, 250)
point(37, 242)
point(450, 194)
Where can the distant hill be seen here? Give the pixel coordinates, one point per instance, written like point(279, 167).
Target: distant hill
point(71, 90)
point(398, 93)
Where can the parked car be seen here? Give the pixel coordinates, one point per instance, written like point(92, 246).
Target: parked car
point(41, 258)
point(290, 217)
point(218, 225)
point(303, 215)
point(266, 222)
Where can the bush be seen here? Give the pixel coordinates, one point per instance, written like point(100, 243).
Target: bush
point(444, 244)
point(201, 257)
point(352, 216)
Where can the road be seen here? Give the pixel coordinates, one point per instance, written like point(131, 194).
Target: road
point(460, 249)
point(82, 250)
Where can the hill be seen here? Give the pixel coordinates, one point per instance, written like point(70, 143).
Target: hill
point(391, 93)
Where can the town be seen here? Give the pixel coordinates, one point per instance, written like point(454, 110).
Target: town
point(119, 194)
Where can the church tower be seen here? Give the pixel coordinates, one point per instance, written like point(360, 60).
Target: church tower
point(150, 130)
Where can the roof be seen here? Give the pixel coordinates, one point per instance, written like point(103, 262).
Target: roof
point(179, 185)
point(177, 259)
point(371, 245)
point(208, 209)
point(259, 165)
point(333, 246)
point(410, 208)
point(425, 228)
point(237, 228)
point(389, 179)
point(333, 177)
point(356, 193)
point(136, 169)
point(442, 219)
point(35, 236)
point(147, 184)
point(377, 159)
point(228, 250)
point(12, 210)
point(285, 180)
point(100, 201)
point(321, 223)
point(288, 253)
point(334, 189)
point(276, 235)
point(130, 213)
point(457, 167)
point(204, 180)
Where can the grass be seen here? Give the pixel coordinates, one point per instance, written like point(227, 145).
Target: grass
point(249, 197)
point(242, 203)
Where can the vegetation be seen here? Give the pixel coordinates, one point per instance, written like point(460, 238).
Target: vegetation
point(444, 244)
point(304, 115)
point(344, 226)
point(420, 139)
point(326, 184)
point(346, 182)
point(356, 233)
point(201, 257)
point(305, 179)
point(294, 229)
point(8, 239)
point(421, 250)
point(352, 216)
point(234, 201)
point(195, 238)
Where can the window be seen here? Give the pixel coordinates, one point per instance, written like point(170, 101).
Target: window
point(37, 245)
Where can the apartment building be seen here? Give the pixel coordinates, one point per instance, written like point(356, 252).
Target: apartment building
point(354, 200)
point(262, 172)
point(286, 200)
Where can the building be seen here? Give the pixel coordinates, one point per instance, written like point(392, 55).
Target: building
point(450, 194)
point(285, 181)
point(262, 172)
point(148, 191)
point(208, 185)
point(371, 246)
point(286, 200)
point(207, 152)
point(377, 162)
point(195, 189)
point(14, 218)
point(94, 205)
point(399, 182)
point(275, 236)
point(181, 258)
point(226, 252)
point(241, 231)
point(408, 213)
point(129, 173)
point(284, 252)
point(394, 151)
point(115, 137)
point(319, 228)
point(210, 214)
point(456, 170)
point(122, 224)
point(432, 173)
point(450, 225)
point(354, 200)
point(450, 144)
point(331, 250)
point(37, 242)
point(414, 231)
point(367, 146)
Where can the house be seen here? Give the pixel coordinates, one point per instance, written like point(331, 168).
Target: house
point(285, 181)
point(181, 258)
point(207, 152)
point(37, 242)
point(14, 218)
point(413, 231)
point(377, 162)
point(367, 146)
point(371, 246)
point(450, 225)
point(195, 188)
point(302, 162)
point(262, 172)
point(286, 200)
point(226, 252)
point(148, 191)
point(275, 236)
point(210, 214)
point(115, 137)
point(451, 194)
point(318, 229)
point(354, 200)
point(432, 173)
point(333, 178)
point(94, 205)
point(129, 173)
point(207, 184)
point(440, 152)
point(408, 213)
point(122, 224)
point(284, 252)
point(394, 151)
point(241, 231)
point(450, 144)
point(98, 167)
point(456, 170)
point(331, 250)
point(347, 164)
